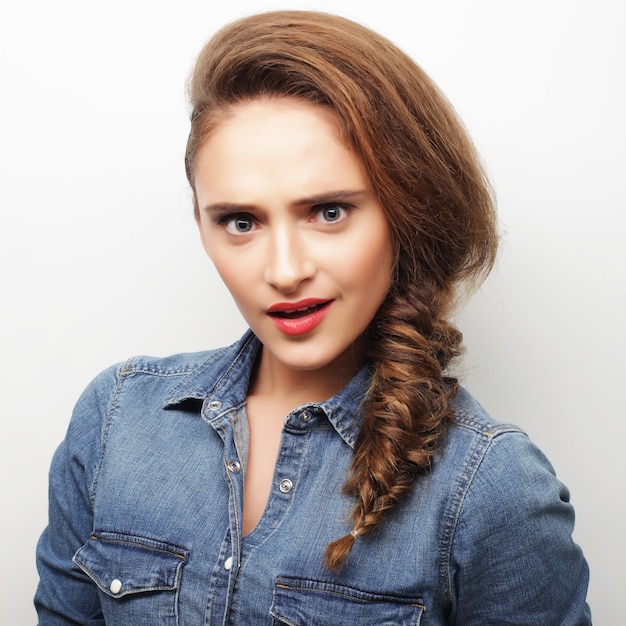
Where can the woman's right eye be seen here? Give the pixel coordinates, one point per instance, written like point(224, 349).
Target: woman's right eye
point(237, 224)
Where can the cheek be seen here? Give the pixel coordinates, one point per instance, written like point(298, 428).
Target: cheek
point(373, 263)
point(230, 268)
point(367, 273)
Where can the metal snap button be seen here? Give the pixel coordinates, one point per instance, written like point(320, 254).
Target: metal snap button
point(116, 586)
point(285, 485)
point(234, 466)
point(214, 405)
point(305, 416)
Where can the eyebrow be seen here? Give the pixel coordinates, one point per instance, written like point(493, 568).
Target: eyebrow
point(332, 196)
point(220, 208)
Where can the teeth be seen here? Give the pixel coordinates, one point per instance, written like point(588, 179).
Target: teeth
point(299, 311)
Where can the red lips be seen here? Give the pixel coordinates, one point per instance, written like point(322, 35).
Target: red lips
point(298, 318)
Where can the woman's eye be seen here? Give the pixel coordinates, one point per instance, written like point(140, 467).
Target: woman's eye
point(330, 214)
point(238, 224)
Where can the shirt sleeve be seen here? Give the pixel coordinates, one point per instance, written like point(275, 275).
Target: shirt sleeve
point(513, 559)
point(65, 594)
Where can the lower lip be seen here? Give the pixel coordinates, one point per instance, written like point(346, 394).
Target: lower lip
point(301, 325)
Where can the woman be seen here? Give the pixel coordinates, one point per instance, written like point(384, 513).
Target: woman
point(326, 469)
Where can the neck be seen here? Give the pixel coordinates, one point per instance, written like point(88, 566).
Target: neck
point(293, 387)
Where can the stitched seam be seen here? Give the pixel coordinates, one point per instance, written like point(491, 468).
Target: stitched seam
point(138, 544)
point(336, 592)
point(452, 514)
point(109, 417)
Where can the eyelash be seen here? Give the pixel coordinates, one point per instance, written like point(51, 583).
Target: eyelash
point(225, 220)
point(346, 208)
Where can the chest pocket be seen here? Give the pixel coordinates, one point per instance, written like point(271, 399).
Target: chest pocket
point(299, 602)
point(138, 578)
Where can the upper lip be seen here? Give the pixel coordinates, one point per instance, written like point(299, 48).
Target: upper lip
point(290, 307)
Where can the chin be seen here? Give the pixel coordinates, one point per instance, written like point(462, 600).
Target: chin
point(307, 358)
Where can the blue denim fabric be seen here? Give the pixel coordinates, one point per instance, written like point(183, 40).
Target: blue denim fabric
point(145, 513)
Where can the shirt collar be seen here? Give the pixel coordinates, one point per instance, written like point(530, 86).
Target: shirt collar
point(222, 380)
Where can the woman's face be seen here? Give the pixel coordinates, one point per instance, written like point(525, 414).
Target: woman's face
point(293, 229)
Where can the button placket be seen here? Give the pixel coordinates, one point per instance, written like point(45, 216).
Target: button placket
point(286, 474)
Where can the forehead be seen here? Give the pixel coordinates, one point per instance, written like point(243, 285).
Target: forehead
point(267, 115)
point(287, 144)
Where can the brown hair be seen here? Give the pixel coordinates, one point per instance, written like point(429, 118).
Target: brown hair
point(426, 174)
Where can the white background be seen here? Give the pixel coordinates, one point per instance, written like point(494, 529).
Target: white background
point(99, 257)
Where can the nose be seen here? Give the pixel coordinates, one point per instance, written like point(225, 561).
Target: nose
point(288, 263)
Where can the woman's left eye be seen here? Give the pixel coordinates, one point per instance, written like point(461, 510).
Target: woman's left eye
point(331, 213)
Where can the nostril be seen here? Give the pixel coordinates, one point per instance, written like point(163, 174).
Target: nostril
point(288, 274)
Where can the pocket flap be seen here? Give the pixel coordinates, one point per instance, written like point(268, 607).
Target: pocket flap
point(124, 564)
point(300, 602)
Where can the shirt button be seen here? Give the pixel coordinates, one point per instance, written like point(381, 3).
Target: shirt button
point(285, 485)
point(234, 466)
point(228, 563)
point(214, 405)
point(305, 416)
point(116, 586)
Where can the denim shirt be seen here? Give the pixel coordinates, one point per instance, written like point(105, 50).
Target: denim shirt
point(146, 507)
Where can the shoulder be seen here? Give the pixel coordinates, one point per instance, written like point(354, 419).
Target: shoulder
point(470, 418)
point(505, 496)
point(132, 392)
point(177, 367)
point(496, 457)
point(109, 381)
point(508, 525)
point(488, 445)
point(172, 365)
point(153, 380)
